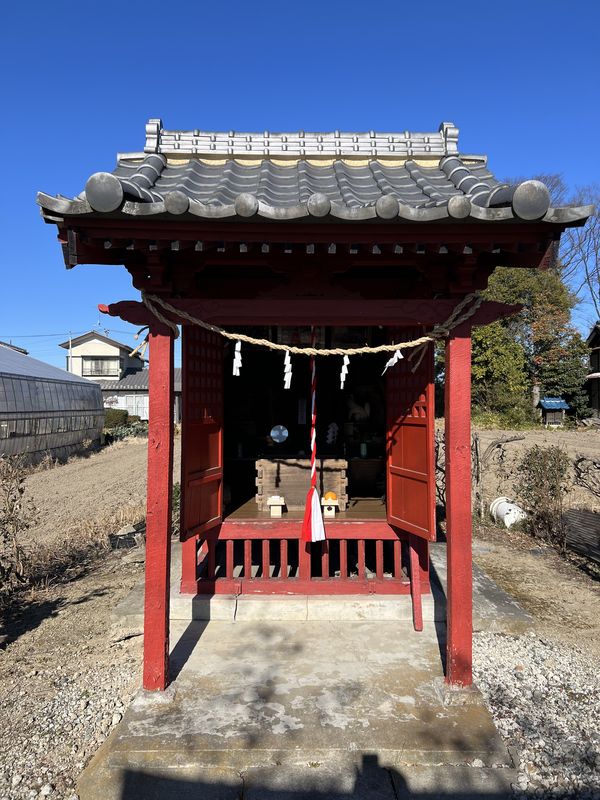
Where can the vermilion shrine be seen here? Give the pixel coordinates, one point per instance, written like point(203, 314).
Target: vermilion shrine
point(357, 239)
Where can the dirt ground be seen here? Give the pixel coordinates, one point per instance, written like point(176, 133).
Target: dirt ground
point(106, 484)
point(580, 442)
point(563, 596)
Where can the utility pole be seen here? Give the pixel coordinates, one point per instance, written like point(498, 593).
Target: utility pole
point(70, 354)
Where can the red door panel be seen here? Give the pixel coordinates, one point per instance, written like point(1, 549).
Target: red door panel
point(410, 442)
point(202, 435)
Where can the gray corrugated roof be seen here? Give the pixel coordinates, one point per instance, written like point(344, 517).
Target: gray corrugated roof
point(14, 363)
point(350, 176)
point(15, 347)
point(137, 382)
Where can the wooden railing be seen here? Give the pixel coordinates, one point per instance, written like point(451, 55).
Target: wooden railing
point(270, 558)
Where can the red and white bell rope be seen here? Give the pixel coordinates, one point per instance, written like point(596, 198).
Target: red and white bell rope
point(313, 529)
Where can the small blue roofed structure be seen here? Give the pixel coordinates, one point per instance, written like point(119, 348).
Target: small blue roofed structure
point(553, 410)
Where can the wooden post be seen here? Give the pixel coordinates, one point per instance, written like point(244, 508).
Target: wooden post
point(458, 506)
point(158, 513)
point(415, 583)
point(189, 560)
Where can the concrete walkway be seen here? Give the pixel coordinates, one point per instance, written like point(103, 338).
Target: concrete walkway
point(296, 708)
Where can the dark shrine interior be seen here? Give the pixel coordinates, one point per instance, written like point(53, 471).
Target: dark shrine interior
point(351, 422)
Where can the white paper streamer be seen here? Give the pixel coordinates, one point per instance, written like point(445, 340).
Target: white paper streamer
point(287, 370)
point(237, 359)
point(318, 528)
point(393, 360)
point(344, 371)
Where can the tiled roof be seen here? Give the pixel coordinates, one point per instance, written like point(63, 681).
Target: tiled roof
point(351, 176)
point(554, 404)
point(303, 144)
point(137, 382)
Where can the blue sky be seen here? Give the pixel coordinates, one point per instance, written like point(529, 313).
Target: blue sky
point(520, 79)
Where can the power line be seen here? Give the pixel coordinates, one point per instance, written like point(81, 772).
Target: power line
point(61, 335)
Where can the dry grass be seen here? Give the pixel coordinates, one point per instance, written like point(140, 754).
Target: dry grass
point(85, 450)
point(70, 555)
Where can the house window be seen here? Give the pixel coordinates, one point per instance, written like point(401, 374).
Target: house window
point(100, 366)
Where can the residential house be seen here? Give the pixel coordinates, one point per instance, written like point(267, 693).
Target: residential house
point(100, 358)
point(131, 393)
point(593, 379)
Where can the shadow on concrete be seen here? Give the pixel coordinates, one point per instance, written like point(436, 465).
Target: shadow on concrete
point(185, 647)
point(371, 781)
point(439, 612)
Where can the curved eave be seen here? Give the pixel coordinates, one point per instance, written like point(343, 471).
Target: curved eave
point(60, 205)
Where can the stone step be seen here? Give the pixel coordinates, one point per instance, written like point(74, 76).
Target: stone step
point(321, 776)
point(279, 608)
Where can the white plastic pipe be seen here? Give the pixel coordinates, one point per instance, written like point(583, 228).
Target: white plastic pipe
point(505, 511)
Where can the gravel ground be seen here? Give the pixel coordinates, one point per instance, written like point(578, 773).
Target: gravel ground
point(64, 680)
point(545, 700)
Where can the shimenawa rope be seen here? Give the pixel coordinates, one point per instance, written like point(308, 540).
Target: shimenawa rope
point(470, 302)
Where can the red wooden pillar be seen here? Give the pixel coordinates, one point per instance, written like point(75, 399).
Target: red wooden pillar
point(458, 506)
point(158, 513)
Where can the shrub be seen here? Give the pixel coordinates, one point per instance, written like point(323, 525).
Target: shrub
point(16, 515)
point(543, 481)
point(133, 418)
point(125, 431)
point(115, 418)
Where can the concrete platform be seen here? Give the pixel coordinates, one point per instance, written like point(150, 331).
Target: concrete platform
point(303, 709)
point(308, 697)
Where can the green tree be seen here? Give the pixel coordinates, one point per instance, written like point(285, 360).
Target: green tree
point(499, 368)
point(553, 352)
point(562, 368)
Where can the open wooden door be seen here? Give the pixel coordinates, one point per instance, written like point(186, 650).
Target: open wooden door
point(410, 442)
point(202, 432)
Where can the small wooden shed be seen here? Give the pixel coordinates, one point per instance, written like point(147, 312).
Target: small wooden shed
point(360, 239)
point(553, 411)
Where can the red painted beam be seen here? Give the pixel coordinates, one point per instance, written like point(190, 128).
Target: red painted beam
point(144, 231)
point(306, 311)
point(292, 529)
point(458, 507)
point(158, 514)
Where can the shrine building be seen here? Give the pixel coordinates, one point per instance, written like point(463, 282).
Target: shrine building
point(310, 275)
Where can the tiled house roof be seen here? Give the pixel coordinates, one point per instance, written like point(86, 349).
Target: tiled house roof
point(137, 382)
point(418, 177)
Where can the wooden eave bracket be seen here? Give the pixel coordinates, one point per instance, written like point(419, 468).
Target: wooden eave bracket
point(136, 313)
